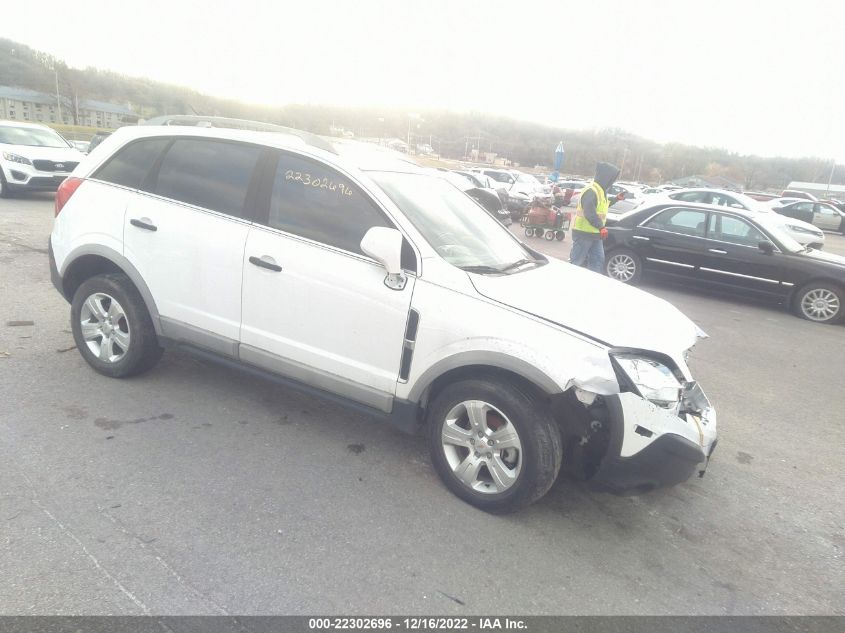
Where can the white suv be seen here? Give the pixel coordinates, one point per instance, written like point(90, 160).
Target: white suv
point(381, 285)
point(33, 157)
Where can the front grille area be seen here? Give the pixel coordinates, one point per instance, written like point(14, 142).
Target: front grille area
point(49, 165)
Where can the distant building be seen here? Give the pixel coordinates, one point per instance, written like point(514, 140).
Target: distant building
point(709, 182)
point(21, 104)
point(819, 189)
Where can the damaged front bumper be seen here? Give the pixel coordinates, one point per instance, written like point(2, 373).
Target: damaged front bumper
point(651, 447)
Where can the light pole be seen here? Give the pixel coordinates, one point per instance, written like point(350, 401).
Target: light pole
point(830, 178)
point(58, 98)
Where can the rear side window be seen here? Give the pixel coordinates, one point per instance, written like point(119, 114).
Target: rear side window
point(131, 164)
point(314, 201)
point(210, 174)
point(684, 221)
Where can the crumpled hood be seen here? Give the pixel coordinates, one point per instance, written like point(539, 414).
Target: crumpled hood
point(595, 305)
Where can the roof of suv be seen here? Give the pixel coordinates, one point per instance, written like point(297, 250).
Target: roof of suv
point(363, 156)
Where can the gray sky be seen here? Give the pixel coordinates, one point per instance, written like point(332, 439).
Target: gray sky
point(756, 77)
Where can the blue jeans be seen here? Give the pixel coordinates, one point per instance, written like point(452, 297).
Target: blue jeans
point(588, 252)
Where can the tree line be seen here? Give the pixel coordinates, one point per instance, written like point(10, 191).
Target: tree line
point(451, 134)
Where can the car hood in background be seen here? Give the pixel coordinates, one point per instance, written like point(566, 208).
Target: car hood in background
point(824, 256)
point(56, 154)
point(594, 305)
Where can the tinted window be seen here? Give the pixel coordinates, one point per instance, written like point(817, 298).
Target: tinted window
point(725, 201)
point(210, 174)
point(690, 196)
point(314, 201)
point(686, 221)
point(727, 228)
point(131, 164)
point(806, 207)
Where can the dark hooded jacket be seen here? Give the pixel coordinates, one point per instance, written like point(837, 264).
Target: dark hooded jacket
point(606, 175)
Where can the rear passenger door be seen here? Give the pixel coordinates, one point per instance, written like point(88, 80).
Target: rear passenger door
point(185, 231)
point(671, 242)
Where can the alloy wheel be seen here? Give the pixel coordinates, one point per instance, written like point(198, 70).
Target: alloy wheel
point(105, 328)
point(622, 267)
point(820, 304)
point(482, 447)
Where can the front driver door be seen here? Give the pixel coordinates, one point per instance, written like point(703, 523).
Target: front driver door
point(672, 241)
point(734, 258)
point(315, 308)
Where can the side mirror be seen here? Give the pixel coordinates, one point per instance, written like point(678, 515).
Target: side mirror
point(767, 247)
point(385, 246)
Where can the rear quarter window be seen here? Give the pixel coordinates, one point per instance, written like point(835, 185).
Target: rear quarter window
point(130, 164)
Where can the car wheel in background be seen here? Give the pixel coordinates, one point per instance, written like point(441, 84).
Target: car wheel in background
point(112, 328)
point(494, 445)
point(4, 188)
point(624, 265)
point(820, 301)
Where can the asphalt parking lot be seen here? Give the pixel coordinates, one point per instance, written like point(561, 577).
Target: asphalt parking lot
point(194, 489)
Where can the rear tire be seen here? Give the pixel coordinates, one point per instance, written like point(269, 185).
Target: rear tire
point(112, 328)
point(624, 265)
point(821, 302)
point(493, 444)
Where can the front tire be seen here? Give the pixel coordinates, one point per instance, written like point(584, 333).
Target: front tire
point(112, 328)
point(494, 445)
point(624, 265)
point(5, 192)
point(821, 302)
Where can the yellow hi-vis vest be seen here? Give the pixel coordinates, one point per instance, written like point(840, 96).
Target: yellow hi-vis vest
point(581, 222)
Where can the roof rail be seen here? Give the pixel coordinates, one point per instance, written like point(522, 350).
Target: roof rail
point(240, 124)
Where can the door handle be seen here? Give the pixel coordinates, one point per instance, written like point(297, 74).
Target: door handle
point(257, 261)
point(718, 251)
point(143, 224)
point(641, 237)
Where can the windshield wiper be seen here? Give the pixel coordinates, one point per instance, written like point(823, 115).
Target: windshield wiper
point(520, 262)
point(481, 269)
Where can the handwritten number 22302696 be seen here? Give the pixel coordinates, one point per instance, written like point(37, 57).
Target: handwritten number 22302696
point(317, 183)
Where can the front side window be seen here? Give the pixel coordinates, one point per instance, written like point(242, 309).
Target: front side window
point(725, 201)
point(684, 221)
point(314, 201)
point(208, 173)
point(132, 163)
point(727, 228)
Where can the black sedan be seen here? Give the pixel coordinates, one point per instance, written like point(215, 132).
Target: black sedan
point(731, 249)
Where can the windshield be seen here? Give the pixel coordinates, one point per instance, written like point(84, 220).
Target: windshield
point(459, 229)
point(32, 136)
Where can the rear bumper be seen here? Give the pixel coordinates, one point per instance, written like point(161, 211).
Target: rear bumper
point(651, 447)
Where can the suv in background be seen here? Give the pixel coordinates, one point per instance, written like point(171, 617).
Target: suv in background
point(33, 157)
point(371, 281)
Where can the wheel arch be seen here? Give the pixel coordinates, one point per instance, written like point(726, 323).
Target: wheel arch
point(480, 364)
point(86, 262)
point(798, 287)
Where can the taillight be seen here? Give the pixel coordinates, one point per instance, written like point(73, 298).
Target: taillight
point(65, 191)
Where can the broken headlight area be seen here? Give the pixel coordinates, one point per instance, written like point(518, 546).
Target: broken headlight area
point(653, 379)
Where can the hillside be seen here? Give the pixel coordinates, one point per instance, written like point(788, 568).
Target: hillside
point(451, 134)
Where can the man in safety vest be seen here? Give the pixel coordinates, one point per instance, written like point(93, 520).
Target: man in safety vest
point(588, 229)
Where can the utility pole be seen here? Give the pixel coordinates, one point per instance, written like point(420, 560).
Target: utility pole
point(830, 179)
point(58, 98)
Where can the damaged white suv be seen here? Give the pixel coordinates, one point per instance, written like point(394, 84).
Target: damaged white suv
point(360, 277)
